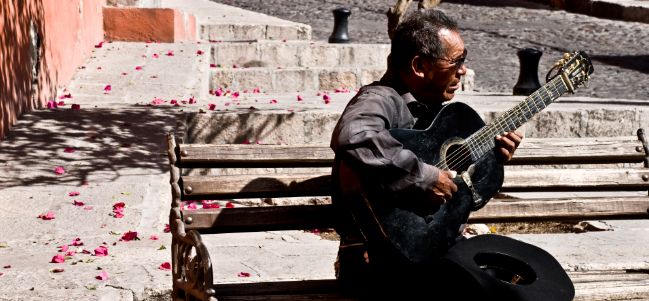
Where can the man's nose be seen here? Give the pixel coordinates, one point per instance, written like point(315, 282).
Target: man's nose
point(462, 71)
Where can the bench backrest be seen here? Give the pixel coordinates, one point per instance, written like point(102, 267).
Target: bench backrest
point(530, 152)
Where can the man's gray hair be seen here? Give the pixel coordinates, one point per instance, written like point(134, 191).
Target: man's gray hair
point(419, 33)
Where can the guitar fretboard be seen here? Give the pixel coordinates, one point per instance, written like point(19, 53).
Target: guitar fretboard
point(483, 140)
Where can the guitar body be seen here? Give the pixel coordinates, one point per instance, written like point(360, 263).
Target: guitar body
point(423, 235)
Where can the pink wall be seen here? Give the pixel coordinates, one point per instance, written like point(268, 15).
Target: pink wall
point(68, 30)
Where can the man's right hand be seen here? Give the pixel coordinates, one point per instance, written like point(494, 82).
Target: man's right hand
point(444, 188)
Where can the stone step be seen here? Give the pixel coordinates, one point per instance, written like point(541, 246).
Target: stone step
point(217, 22)
point(300, 54)
point(274, 79)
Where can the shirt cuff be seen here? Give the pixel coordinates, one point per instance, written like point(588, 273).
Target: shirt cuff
point(429, 180)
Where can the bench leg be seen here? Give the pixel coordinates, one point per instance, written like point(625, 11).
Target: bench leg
point(191, 266)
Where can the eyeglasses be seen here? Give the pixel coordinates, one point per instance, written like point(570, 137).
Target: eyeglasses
point(459, 63)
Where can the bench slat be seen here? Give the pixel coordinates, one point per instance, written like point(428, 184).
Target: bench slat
point(323, 216)
point(291, 185)
point(531, 151)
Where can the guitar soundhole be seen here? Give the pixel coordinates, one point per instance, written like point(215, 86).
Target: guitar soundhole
point(505, 268)
point(458, 158)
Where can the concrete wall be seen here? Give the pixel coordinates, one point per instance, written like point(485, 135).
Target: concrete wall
point(148, 24)
point(67, 31)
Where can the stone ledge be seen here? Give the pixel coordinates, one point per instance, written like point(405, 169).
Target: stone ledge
point(272, 79)
point(625, 10)
point(301, 54)
point(221, 31)
point(148, 24)
point(136, 3)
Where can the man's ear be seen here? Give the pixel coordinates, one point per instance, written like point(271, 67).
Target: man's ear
point(417, 66)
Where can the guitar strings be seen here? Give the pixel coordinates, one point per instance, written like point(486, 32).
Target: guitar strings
point(504, 121)
point(504, 118)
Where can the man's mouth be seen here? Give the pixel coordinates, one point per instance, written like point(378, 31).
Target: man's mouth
point(456, 86)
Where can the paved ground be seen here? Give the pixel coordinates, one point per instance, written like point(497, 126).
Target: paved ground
point(493, 30)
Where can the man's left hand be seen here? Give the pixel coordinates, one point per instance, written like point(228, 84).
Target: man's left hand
point(507, 144)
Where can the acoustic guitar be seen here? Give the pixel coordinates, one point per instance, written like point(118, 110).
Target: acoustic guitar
point(456, 140)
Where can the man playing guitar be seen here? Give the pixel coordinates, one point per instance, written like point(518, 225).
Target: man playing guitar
point(426, 63)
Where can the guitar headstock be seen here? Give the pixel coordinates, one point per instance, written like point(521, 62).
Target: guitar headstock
point(575, 69)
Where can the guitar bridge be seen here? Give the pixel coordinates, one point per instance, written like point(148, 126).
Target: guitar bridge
point(466, 177)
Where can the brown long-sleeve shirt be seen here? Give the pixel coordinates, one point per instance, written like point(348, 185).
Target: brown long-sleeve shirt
point(362, 140)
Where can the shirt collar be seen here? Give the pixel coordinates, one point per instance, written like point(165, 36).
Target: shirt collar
point(392, 79)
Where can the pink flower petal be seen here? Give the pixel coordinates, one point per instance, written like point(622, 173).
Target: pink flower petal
point(69, 150)
point(326, 97)
point(165, 266)
point(227, 104)
point(246, 142)
point(87, 208)
point(64, 248)
point(242, 274)
point(245, 91)
point(73, 193)
point(199, 52)
point(108, 88)
point(290, 110)
point(315, 231)
point(77, 243)
point(167, 229)
point(7, 267)
point(98, 68)
point(61, 103)
point(101, 251)
point(212, 106)
point(148, 42)
point(283, 41)
point(252, 108)
point(299, 98)
point(234, 66)
point(76, 107)
point(255, 91)
point(58, 259)
point(71, 253)
point(229, 205)
point(191, 100)
point(48, 216)
point(319, 94)
point(54, 104)
point(138, 68)
point(129, 236)
point(58, 270)
point(119, 215)
point(102, 276)
point(273, 101)
point(158, 101)
point(327, 102)
point(259, 142)
point(155, 55)
point(191, 207)
point(153, 237)
point(78, 203)
point(212, 66)
point(169, 53)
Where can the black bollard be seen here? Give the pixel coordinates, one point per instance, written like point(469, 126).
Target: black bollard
point(528, 79)
point(340, 34)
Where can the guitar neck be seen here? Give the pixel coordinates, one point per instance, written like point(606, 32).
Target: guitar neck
point(483, 140)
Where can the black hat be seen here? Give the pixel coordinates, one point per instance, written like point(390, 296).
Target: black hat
point(494, 267)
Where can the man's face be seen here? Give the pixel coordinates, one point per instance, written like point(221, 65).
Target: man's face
point(443, 77)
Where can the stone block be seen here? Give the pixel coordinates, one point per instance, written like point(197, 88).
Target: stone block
point(241, 31)
point(369, 76)
point(610, 123)
point(282, 55)
point(555, 124)
point(336, 79)
point(636, 14)
point(237, 54)
point(319, 56)
point(215, 31)
point(271, 128)
point(384, 52)
point(467, 81)
point(304, 32)
point(222, 78)
point(359, 56)
point(136, 3)
point(606, 10)
point(218, 128)
point(290, 80)
point(139, 24)
point(279, 32)
point(248, 79)
point(323, 124)
point(578, 6)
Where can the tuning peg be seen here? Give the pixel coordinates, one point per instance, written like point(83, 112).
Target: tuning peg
point(566, 55)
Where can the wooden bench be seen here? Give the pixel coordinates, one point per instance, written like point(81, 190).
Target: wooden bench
point(192, 271)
